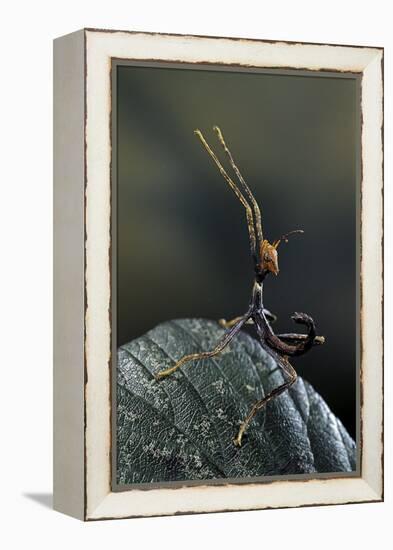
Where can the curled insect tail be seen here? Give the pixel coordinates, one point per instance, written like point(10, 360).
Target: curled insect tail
point(308, 321)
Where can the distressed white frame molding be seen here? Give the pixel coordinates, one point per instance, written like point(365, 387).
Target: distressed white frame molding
point(83, 345)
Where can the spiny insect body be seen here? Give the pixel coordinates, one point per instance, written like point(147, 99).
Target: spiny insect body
point(265, 259)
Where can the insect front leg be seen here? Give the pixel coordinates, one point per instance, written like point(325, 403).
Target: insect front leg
point(228, 336)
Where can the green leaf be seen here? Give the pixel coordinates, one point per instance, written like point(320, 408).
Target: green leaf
point(182, 427)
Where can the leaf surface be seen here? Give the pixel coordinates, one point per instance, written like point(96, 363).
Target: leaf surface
point(182, 427)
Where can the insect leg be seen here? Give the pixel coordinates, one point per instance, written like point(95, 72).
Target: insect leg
point(255, 206)
point(292, 376)
point(238, 193)
point(228, 336)
point(269, 315)
point(228, 324)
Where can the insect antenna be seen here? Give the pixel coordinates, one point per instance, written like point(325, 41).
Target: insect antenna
point(285, 237)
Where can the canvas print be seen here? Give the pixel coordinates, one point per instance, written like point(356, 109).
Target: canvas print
point(235, 274)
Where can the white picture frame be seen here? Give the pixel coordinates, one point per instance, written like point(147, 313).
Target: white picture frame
point(82, 258)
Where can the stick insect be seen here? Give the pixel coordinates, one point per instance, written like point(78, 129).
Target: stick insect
point(265, 259)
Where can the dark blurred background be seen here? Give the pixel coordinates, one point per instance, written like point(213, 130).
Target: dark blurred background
point(183, 248)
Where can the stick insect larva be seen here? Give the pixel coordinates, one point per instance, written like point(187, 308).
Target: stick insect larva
point(265, 259)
